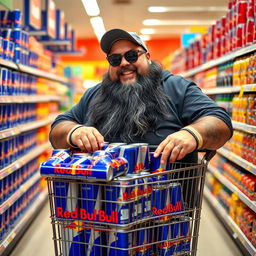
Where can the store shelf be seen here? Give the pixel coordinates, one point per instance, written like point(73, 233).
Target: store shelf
point(26, 127)
point(38, 33)
point(23, 160)
point(230, 224)
point(233, 188)
point(29, 98)
point(213, 63)
point(33, 71)
point(244, 127)
point(55, 42)
point(22, 189)
point(41, 73)
point(230, 89)
point(8, 64)
point(71, 53)
point(238, 160)
point(19, 227)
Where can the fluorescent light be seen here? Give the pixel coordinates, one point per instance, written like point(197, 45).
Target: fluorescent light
point(91, 7)
point(187, 9)
point(98, 26)
point(155, 22)
point(145, 37)
point(148, 31)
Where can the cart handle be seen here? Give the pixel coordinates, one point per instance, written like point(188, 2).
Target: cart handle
point(209, 154)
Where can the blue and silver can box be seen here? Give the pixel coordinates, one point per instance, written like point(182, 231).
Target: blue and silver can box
point(98, 167)
point(120, 199)
point(130, 153)
point(120, 241)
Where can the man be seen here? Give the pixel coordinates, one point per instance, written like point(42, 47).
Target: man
point(137, 101)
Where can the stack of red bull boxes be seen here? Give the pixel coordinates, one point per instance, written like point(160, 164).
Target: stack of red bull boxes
point(116, 201)
point(233, 31)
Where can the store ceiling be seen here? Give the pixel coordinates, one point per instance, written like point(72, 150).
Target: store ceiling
point(129, 15)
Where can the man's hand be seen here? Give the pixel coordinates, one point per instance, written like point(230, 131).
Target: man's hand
point(87, 138)
point(177, 145)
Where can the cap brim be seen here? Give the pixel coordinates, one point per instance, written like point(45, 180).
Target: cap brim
point(114, 35)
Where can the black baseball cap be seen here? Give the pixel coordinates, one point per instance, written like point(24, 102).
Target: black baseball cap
point(116, 34)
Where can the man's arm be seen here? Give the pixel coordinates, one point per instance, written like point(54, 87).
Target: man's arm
point(214, 133)
point(67, 133)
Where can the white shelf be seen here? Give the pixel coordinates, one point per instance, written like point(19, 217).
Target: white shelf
point(41, 73)
point(26, 127)
point(33, 71)
point(23, 160)
point(55, 42)
point(25, 220)
point(244, 127)
point(230, 89)
point(236, 231)
point(238, 160)
point(28, 98)
point(22, 189)
point(233, 188)
point(216, 62)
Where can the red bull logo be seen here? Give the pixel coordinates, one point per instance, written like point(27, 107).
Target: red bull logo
point(169, 208)
point(135, 193)
point(76, 225)
point(74, 170)
point(96, 215)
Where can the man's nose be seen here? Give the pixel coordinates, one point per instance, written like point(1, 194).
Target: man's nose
point(124, 62)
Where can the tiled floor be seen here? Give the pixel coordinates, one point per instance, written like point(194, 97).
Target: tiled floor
point(213, 239)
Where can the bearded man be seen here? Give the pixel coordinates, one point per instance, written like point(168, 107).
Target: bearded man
point(138, 101)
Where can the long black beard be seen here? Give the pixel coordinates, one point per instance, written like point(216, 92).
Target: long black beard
point(124, 111)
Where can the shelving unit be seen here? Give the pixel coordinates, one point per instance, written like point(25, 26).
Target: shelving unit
point(221, 60)
point(230, 225)
point(23, 223)
point(250, 129)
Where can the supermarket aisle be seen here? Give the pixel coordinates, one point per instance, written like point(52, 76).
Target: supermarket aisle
point(213, 238)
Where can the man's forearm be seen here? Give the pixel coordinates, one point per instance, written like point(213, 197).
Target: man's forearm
point(58, 135)
point(214, 132)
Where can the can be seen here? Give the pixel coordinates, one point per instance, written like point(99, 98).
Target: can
point(119, 200)
point(157, 167)
point(148, 191)
point(165, 235)
point(66, 200)
point(176, 198)
point(120, 241)
point(185, 233)
point(59, 156)
point(16, 18)
point(114, 148)
point(100, 153)
point(138, 192)
point(144, 239)
point(129, 152)
point(142, 156)
point(90, 204)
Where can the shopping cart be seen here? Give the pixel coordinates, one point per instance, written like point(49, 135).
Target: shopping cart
point(138, 214)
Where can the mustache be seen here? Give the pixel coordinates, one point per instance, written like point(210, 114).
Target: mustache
point(126, 68)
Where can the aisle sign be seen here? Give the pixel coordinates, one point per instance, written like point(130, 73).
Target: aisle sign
point(32, 14)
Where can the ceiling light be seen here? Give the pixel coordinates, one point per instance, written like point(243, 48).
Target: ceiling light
point(98, 27)
point(148, 31)
point(187, 9)
point(91, 7)
point(145, 37)
point(155, 22)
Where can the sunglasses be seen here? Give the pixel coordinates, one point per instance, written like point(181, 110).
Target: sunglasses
point(131, 56)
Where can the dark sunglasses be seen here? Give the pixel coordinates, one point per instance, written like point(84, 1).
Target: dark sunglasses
point(131, 56)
